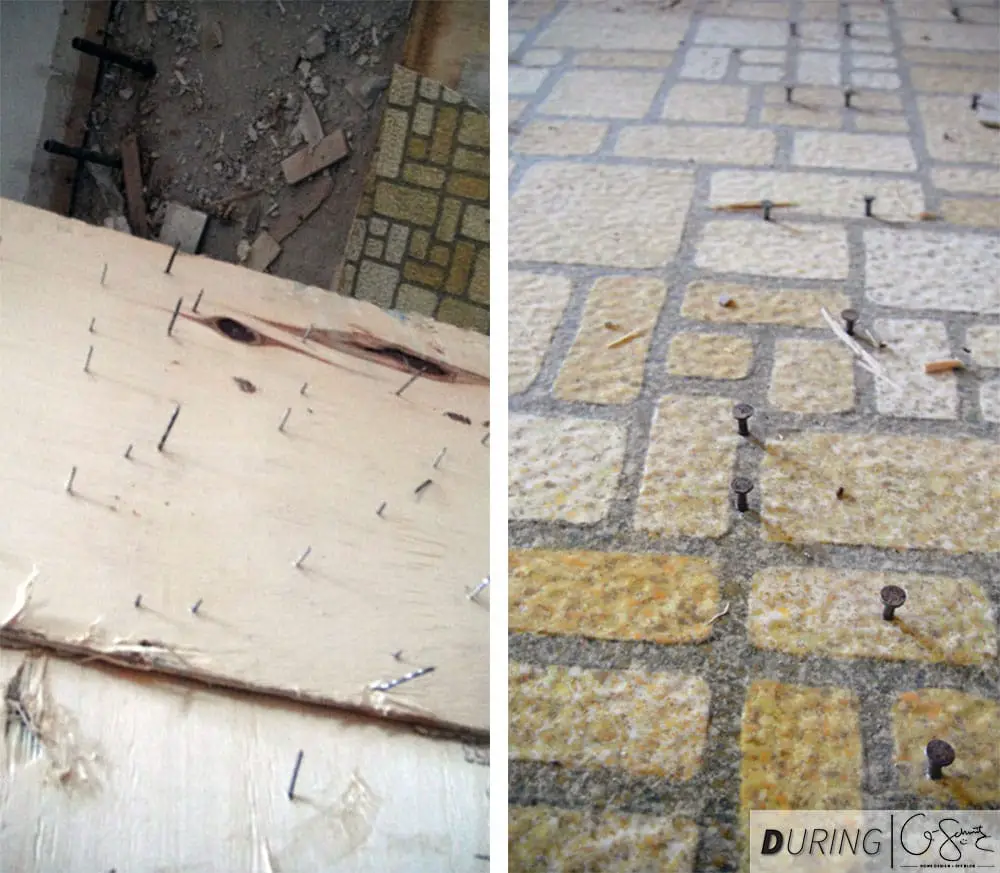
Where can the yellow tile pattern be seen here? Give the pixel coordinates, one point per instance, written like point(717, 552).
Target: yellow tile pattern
point(810, 611)
point(906, 492)
point(710, 355)
point(811, 376)
point(973, 213)
point(757, 306)
point(648, 724)
point(612, 596)
point(544, 838)
point(597, 368)
point(969, 724)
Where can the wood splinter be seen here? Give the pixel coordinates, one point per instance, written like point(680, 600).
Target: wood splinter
point(624, 340)
point(943, 366)
point(752, 207)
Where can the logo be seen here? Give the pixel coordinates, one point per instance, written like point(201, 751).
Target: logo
point(872, 841)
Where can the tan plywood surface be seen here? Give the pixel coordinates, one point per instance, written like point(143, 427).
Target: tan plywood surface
point(223, 512)
point(119, 772)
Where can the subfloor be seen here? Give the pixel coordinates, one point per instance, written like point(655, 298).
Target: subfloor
point(675, 662)
point(224, 111)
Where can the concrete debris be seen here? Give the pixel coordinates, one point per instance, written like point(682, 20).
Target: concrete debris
point(263, 252)
point(315, 46)
point(305, 68)
point(252, 133)
point(309, 124)
point(126, 93)
point(183, 226)
point(242, 250)
point(366, 89)
point(151, 15)
point(317, 87)
point(117, 222)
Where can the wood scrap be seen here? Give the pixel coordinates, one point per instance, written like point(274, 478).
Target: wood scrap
point(132, 171)
point(310, 160)
point(307, 200)
point(865, 359)
point(623, 340)
point(748, 207)
point(263, 252)
point(943, 366)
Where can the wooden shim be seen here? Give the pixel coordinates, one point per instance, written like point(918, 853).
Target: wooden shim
point(311, 159)
point(379, 799)
point(306, 201)
point(223, 512)
point(132, 171)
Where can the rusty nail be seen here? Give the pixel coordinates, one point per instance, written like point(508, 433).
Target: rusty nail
point(93, 321)
point(284, 419)
point(173, 318)
point(893, 597)
point(86, 364)
point(128, 452)
point(422, 487)
point(295, 775)
point(381, 509)
point(69, 481)
point(409, 382)
point(939, 755)
point(173, 255)
point(197, 300)
point(440, 457)
point(104, 273)
point(302, 557)
point(170, 427)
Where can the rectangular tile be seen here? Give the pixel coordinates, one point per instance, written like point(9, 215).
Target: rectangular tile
point(536, 302)
point(780, 249)
point(751, 305)
point(707, 145)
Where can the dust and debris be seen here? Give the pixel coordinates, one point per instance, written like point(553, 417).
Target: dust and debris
point(245, 385)
point(224, 112)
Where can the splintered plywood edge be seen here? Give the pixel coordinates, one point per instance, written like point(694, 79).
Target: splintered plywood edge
point(370, 797)
point(234, 499)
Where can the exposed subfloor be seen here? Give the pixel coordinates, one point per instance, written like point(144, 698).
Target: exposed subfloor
point(676, 662)
point(223, 112)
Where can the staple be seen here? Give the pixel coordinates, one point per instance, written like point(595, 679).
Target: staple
point(86, 364)
point(295, 775)
point(92, 322)
point(197, 606)
point(173, 255)
point(423, 486)
point(472, 595)
point(128, 452)
point(197, 300)
point(69, 481)
point(284, 419)
point(104, 273)
point(386, 686)
point(440, 457)
point(409, 382)
point(173, 318)
point(302, 557)
point(306, 335)
point(170, 427)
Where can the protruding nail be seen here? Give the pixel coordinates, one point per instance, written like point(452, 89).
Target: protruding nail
point(128, 452)
point(975, 101)
point(793, 28)
point(766, 206)
point(869, 200)
point(302, 557)
point(381, 509)
point(302, 390)
point(138, 601)
point(440, 457)
point(848, 94)
point(850, 317)
point(789, 90)
point(86, 364)
point(284, 419)
point(741, 488)
point(173, 318)
point(485, 439)
point(197, 300)
point(170, 427)
point(295, 775)
point(472, 595)
point(104, 273)
point(893, 597)
point(69, 481)
point(307, 333)
point(173, 255)
point(398, 654)
point(409, 382)
point(197, 606)
point(93, 321)
point(742, 412)
point(422, 487)
point(939, 755)
point(385, 686)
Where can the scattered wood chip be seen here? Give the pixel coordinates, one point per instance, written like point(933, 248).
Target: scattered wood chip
point(928, 216)
point(132, 171)
point(612, 325)
point(746, 207)
point(623, 340)
point(263, 252)
point(727, 302)
point(306, 201)
point(310, 160)
point(943, 366)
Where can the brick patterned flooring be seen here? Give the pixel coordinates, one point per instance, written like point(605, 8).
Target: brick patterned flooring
point(643, 726)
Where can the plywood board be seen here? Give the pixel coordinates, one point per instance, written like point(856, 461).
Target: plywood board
point(222, 513)
point(105, 772)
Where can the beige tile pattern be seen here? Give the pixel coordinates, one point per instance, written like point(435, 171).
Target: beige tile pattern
point(536, 303)
point(811, 377)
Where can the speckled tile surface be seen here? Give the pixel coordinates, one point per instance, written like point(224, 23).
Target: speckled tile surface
point(629, 554)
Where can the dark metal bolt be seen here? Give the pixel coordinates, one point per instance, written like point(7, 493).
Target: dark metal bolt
point(975, 101)
point(742, 412)
point(793, 28)
point(741, 488)
point(848, 94)
point(868, 206)
point(850, 317)
point(939, 755)
point(788, 93)
point(893, 597)
point(767, 206)
point(143, 66)
point(54, 147)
